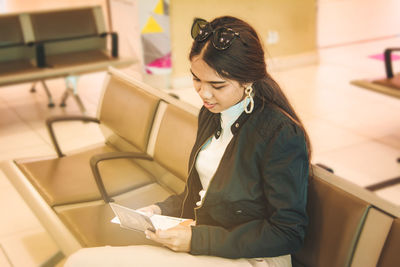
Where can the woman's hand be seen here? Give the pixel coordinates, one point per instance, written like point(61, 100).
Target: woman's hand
point(150, 210)
point(177, 238)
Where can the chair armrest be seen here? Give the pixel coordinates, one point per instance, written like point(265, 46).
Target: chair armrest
point(114, 43)
point(51, 120)
point(388, 61)
point(96, 159)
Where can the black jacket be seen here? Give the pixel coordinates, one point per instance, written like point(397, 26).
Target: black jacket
point(255, 205)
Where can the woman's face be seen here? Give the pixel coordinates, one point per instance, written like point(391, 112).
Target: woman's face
point(218, 94)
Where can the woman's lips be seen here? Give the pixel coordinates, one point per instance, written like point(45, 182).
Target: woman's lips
point(208, 105)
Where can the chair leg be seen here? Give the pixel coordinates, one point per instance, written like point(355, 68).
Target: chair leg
point(64, 98)
point(33, 87)
point(46, 89)
point(72, 89)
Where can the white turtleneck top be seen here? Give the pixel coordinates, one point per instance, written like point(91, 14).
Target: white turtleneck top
point(211, 153)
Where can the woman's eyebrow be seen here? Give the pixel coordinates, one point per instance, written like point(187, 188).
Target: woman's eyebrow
point(212, 82)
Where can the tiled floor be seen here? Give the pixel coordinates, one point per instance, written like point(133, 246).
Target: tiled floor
point(354, 131)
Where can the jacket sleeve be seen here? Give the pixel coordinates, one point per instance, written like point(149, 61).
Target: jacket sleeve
point(172, 206)
point(284, 169)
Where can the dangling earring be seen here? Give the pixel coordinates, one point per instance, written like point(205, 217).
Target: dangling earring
point(248, 98)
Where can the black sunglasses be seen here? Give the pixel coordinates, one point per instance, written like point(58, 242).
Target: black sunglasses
point(222, 37)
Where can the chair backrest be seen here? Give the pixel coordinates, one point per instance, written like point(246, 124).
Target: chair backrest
point(390, 255)
point(163, 127)
point(75, 29)
point(10, 31)
point(336, 219)
point(174, 142)
point(12, 41)
point(121, 99)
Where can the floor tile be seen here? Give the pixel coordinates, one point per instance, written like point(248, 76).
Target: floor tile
point(14, 133)
point(364, 164)
point(391, 194)
point(392, 140)
point(326, 136)
point(72, 135)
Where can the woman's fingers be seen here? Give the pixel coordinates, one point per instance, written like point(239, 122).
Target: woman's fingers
point(161, 235)
point(177, 238)
point(150, 210)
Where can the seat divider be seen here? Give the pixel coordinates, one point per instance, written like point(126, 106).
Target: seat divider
point(162, 107)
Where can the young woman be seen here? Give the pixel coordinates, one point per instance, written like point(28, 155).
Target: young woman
point(248, 170)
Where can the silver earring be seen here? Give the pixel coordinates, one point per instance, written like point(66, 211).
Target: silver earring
point(248, 98)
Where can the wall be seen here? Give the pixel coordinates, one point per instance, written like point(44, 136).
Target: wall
point(374, 19)
point(34, 5)
point(294, 22)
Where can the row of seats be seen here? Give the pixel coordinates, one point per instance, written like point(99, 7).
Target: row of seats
point(148, 138)
point(35, 46)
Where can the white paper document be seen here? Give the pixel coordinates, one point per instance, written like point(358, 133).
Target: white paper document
point(137, 220)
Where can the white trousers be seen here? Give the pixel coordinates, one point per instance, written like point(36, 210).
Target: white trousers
point(152, 256)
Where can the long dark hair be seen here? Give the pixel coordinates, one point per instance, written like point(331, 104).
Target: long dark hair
point(245, 63)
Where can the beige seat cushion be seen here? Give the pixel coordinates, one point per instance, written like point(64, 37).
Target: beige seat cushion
point(336, 218)
point(92, 227)
point(391, 251)
point(70, 180)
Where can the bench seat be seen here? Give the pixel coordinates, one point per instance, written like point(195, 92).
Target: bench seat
point(47, 44)
point(91, 224)
point(61, 184)
point(348, 224)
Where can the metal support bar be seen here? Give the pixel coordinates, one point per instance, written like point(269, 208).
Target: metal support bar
point(388, 62)
point(96, 159)
point(384, 184)
point(46, 89)
point(33, 87)
point(72, 89)
point(49, 124)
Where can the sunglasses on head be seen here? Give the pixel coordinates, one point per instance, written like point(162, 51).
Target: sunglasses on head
point(222, 37)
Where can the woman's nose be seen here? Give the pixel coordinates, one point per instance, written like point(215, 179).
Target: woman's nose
point(204, 92)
